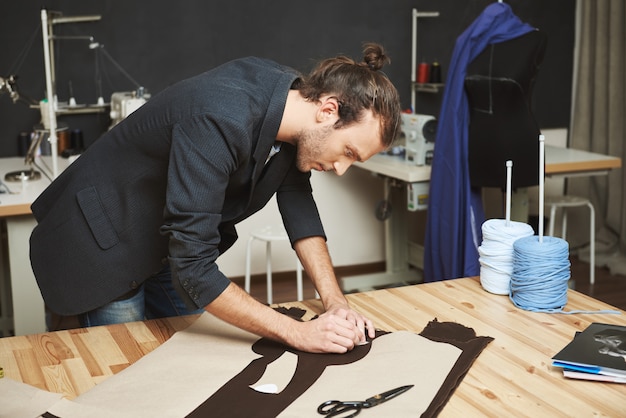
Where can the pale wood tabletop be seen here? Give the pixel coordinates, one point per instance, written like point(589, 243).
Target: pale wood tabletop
point(513, 376)
point(21, 196)
point(559, 161)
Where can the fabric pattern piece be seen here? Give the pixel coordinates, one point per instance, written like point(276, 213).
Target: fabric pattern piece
point(207, 370)
point(462, 337)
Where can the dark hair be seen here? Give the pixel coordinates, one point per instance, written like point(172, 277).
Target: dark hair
point(358, 87)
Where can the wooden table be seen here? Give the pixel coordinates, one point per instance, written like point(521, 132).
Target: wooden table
point(572, 162)
point(559, 161)
point(512, 377)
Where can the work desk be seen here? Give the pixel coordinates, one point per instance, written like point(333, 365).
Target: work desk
point(513, 376)
point(18, 203)
point(28, 306)
point(400, 252)
point(559, 161)
point(573, 162)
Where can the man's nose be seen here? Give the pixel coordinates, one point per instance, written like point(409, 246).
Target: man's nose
point(341, 167)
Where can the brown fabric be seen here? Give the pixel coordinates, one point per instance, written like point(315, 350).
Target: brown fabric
point(462, 337)
point(237, 399)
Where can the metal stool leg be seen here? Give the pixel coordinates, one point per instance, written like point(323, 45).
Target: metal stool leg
point(551, 221)
point(565, 203)
point(268, 255)
point(299, 279)
point(592, 243)
point(269, 234)
point(248, 256)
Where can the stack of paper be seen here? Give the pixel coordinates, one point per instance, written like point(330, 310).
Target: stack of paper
point(598, 353)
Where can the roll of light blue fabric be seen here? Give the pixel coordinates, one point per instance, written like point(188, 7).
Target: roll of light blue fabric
point(541, 272)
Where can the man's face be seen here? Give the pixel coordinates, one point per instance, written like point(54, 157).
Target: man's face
point(325, 148)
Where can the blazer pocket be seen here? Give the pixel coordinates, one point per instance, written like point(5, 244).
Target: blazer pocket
point(98, 221)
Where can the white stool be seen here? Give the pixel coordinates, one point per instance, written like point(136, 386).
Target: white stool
point(269, 234)
point(565, 202)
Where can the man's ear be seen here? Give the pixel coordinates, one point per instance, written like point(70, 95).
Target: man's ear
point(328, 109)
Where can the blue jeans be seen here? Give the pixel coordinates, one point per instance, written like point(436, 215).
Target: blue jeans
point(155, 298)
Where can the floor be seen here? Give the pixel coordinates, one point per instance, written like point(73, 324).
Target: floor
point(608, 288)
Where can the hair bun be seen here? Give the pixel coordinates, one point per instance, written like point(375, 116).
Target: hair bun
point(374, 56)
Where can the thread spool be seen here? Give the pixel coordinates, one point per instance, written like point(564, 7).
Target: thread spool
point(76, 140)
point(45, 113)
point(23, 143)
point(435, 72)
point(541, 271)
point(496, 255)
point(423, 73)
point(63, 141)
point(44, 147)
point(541, 267)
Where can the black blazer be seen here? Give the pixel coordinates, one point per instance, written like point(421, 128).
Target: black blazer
point(170, 182)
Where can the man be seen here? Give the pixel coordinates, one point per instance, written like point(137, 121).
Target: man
point(133, 228)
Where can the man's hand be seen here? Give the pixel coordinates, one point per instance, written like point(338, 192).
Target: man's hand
point(336, 331)
point(364, 325)
point(313, 254)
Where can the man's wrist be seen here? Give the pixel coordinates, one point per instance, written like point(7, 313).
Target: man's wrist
point(335, 303)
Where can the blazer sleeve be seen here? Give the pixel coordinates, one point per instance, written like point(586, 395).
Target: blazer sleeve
point(201, 162)
point(297, 206)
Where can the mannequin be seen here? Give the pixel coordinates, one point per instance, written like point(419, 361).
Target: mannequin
point(499, 83)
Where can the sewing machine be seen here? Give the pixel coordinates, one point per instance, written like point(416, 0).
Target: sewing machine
point(419, 132)
point(125, 103)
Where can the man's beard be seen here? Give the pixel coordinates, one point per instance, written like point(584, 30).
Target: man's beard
point(310, 146)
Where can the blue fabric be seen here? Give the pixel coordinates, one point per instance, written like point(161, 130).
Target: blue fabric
point(455, 212)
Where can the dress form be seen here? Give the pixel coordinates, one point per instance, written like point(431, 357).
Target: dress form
point(499, 84)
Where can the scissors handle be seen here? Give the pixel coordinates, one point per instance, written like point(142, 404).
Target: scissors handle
point(340, 408)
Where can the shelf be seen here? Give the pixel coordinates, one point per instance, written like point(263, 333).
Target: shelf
point(65, 109)
point(419, 87)
point(425, 14)
point(427, 87)
point(48, 21)
point(79, 110)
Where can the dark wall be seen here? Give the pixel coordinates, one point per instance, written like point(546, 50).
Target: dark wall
point(158, 42)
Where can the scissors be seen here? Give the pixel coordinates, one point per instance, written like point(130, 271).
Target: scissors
point(348, 409)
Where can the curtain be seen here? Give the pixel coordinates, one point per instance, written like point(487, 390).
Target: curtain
point(598, 115)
